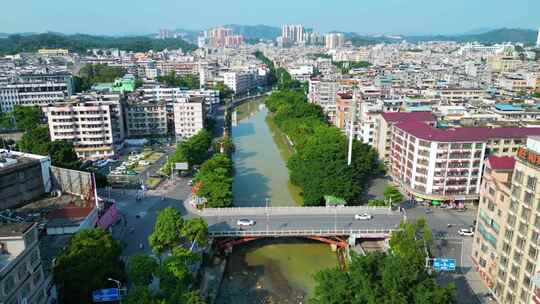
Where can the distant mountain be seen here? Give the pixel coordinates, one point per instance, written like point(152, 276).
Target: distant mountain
point(81, 42)
point(494, 36)
point(256, 31)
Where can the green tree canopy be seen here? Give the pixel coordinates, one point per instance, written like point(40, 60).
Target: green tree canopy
point(224, 91)
point(172, 80)
point(35, 141)
point(166, 234)
point(27, 117)
point(142, 295)
point(195, 230)
point(84, 265)
point(141, 268)
point(392, 194)
point(385, 277)
point(92, 74)
point(63, 154)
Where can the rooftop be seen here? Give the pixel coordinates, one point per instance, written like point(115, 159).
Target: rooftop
point(423, 131)
point(502, 162)
point(15, 229)
point(398, 117)
point(508, 107)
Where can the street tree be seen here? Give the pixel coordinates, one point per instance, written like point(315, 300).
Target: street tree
point(166, 234)
point(63, 154)
point(195, 230)
point(392, 194)
point(27, 117)
point(142, 295)
point(141, 269)
point(35, 141)
point(393, 277)
point(174, 276)
point(91, 257)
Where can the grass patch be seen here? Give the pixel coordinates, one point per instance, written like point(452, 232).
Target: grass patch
point(155, 156)
point(153, 182)
point(286, 152)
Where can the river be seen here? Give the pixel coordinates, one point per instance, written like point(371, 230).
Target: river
point(267, 270)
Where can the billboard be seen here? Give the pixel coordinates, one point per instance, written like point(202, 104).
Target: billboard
point(181, 166)
point(106, 295)
point(444, 264)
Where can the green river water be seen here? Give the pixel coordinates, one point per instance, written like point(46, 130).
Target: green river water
point(268, 270)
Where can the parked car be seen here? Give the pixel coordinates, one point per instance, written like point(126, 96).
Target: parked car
point(465, 232)
point(245, 222)
point(428, 211)
point(363, 216)
point(190, 182)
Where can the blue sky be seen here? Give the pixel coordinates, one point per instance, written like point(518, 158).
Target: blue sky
point(362, 16)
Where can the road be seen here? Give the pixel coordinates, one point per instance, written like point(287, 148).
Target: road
point(301, 223)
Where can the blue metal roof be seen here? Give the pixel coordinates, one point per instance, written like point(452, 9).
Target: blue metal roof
point(507, 107)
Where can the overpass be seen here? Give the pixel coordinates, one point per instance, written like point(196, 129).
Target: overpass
point(301, 221)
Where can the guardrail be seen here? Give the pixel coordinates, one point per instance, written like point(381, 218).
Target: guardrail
point(294, 210)
point(301, 232)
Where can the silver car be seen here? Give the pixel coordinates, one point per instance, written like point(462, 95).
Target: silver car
point(245, 222)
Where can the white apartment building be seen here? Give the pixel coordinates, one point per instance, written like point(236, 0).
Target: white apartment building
point(93, 123)
point(324, 93)
point(32, 94)
point(22, 279)
point(189, 117)
point(445, 164)
point(145, 119)
point(293, 33)
point(334, 40)
point(240, 81)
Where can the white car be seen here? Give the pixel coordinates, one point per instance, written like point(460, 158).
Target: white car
point(465, 232)
point(245, 222)
point(363, 216)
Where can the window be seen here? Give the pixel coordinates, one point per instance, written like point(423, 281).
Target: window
point(527, 198)
point(531, 183)
point(518, 176)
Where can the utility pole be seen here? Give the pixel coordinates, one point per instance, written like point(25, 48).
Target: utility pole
point(351, 127)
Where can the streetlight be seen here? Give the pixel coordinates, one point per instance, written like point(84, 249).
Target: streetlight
point(267, 214)
point(119, 286)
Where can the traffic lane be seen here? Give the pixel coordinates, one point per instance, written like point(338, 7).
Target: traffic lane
point(439, 219)
point(301, 223)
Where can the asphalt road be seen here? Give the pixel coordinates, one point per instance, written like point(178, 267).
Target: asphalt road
point(301, 222)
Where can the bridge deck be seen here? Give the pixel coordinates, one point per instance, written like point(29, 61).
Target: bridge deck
point(300, 221)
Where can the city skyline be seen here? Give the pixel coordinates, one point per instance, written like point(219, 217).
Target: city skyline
point(389, 17)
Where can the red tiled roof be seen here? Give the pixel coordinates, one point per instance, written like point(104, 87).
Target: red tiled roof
point(423, 131)
point(501, 162)
point(397, 117)
point(70, 212)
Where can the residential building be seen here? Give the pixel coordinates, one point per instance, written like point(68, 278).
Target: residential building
point(56, 77)
point(189, 117)
point(145, 118)
point(23, 178)
point(22, 279)
point(32, 94)
point(293, 33)
point(506, 247)
point(240, 81)
point(385, 125)
point(94, 123)
point(444, 164)
point(53, 52)
point(491, 218)
point(334, 40)
point(324, 93)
